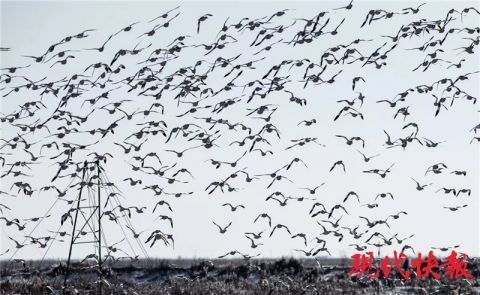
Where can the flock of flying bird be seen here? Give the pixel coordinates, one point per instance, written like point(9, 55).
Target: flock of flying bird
point(53, 127)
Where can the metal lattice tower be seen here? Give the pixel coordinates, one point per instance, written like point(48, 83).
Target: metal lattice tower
point(92, 219)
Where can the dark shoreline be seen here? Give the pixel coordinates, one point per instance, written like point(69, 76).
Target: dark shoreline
point(227, 276)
